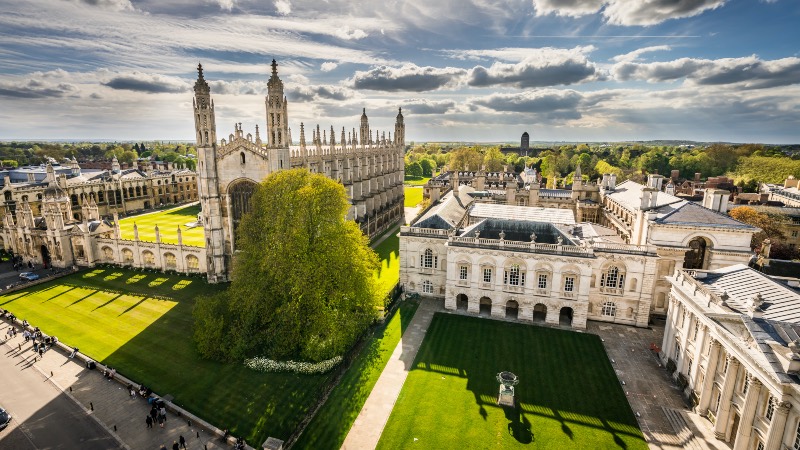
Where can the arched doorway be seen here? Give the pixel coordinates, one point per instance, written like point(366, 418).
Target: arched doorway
point(239, 195)
point(462, 302)
point(696, 255)
point(565, 316)
point(512, 309)
point(45, 256)
point(485, 306)
point(540, 312)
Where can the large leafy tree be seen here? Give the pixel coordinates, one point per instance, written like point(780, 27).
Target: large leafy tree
point(771, 228)
point(303, 284)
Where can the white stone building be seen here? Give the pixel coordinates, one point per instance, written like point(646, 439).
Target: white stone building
point(369, 166)
point(733, 339)
point(536, 263)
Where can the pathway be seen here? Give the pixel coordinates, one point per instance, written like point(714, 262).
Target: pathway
point(368, 426)
point(108, 402)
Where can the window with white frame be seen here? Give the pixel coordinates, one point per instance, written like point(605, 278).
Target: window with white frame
point(427, 287)
point(462, 273)
point(569, 284)
point(796, 445)
point(760, 445)
point(689, 367)
point(695, 330)
point(512, 276)
point(487, 275)
point(745, 385)
point(769, 412)
point(725, 367)
point(542, 281)
point(428, 260)
point(719, 397)
point(677, 350)
point(609, 309)
point(612, 278)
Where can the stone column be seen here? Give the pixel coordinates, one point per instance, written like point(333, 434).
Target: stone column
point(721, 427)
point(668, 343)
point(776, 427)
point(748, 412)
point(708, 381)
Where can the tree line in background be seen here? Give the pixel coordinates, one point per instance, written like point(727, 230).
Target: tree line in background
point(15, 154)
point(747, 164)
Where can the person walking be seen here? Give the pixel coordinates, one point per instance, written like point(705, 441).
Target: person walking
point(161, 421)
point(175, 445)
point(182, 441)
point(149, 421)
point(163, 413)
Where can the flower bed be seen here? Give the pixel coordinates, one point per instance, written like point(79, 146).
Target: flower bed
point(263, 364)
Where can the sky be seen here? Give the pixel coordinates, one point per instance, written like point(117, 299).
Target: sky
point(462, 70)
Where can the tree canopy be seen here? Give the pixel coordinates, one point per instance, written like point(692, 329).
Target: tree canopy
point(303, 284)
point(771, 228)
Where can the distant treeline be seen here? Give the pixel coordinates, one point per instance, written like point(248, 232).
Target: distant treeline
point(14, 154)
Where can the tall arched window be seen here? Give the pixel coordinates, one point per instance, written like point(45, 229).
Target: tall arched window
point(609, 309)
point(513, 276)
point(240, 194)
point(428, 260)
point(241, 158)
point(613, 278)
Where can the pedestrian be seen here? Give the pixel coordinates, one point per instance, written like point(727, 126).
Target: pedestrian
point(161, 421)
point(74, 352)
point(41, 351)
point(175, 445)
point(182, 441)
point(149, 421)
point(163, 447)
point(154, 413)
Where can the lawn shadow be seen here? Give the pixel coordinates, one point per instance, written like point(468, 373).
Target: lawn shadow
point(191, 211)
point(108, 302)
point(132, 307)
point(91, 293)
point(60, 294)
point(565, 377)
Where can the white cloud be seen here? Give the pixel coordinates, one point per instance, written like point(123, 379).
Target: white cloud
point(347, 34)
point(226, 5)
point(748, 72)
point(634, 55)
point(114, 5)
point(628, 12)
point(408, 77)
point(283, 7)
point(327, 66)
point(515, 54)
point(541, 67)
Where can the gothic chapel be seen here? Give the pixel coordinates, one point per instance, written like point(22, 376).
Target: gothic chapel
point(370, 166)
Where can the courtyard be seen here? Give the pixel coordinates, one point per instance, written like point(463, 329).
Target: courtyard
point(168, 222)
point(141, 324)
point(568, 395)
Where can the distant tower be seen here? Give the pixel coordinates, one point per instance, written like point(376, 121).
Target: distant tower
point(524, 144)
point(364, 137)
point(277, 122)
point(115, 164)
point(208, 184)
point(400, 129)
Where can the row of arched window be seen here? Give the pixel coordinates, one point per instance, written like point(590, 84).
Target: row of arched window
point(148, 258)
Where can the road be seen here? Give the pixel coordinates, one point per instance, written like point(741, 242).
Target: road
point(43, 417)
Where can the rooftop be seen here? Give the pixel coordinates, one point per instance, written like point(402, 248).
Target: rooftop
point(524, 213)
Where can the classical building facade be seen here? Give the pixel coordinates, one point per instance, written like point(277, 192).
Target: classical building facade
point(733, 340)
point(121, 191)
point(369, 165)
point(611, 267)
point(56, 238)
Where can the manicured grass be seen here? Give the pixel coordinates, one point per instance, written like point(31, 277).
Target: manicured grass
point(168, 222)
point(110, 316)
point(413, 196)
point(332, 422)
point(415, 181)
point(389, 254)
point(567, 397)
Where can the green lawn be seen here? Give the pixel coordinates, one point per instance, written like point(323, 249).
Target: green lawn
point(415, 181)
point(109, 315)
point(168, 222)
point(332, 422)
point(413, 196)
point(568, 395)
point(389, 254)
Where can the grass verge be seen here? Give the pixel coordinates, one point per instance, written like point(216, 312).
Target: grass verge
point(168, 222)
point(329, 427)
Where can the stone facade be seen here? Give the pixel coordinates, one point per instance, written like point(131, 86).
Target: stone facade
point(56, 239)
point(121, 191)
point(370, 166)
point(639, 234)
point(732, 338)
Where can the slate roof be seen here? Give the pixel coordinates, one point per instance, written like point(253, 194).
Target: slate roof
point(447, 213)
point(517, 230)
point(742, 283)
point(629, 194)
point(691, 213)
point(525, 213)
point(555, 193)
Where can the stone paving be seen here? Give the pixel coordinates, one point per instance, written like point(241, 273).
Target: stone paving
point(107, 401)
point(368, 426)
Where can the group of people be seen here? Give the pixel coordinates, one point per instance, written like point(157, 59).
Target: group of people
point(20, 264)
point(40, 342)
point(109, 373)
point(176, 445)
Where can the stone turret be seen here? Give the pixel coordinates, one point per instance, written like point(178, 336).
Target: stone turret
point(399, 129)
point(364, 131)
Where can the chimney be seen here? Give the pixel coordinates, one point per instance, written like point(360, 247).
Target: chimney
point(455, 184)
point(675, 174)
point(716, 200)
point(604, 183)
point(697, 176)
point(612, 182)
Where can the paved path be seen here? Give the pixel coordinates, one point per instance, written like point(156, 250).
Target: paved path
point(368, 426)
point(43, 416)
point(106, 401)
